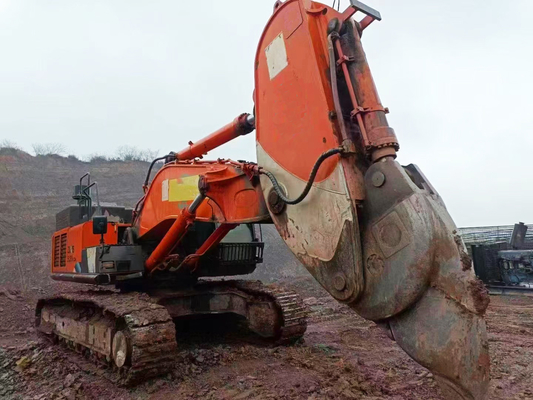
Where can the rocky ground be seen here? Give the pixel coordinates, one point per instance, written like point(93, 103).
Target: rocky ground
point(341, 357)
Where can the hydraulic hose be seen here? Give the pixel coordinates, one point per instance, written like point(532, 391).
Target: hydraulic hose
point(150, 169)
point(140, 203)
point(312, 176)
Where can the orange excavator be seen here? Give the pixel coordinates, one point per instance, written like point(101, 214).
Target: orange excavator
point(376, 235)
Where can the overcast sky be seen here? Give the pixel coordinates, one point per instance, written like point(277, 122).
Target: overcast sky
point(456, 75)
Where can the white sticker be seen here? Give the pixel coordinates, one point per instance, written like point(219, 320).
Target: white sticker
point(91, 259)
point(276, 56)
point(164, 190)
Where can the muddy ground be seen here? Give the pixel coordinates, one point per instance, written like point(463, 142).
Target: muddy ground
point(341, 357)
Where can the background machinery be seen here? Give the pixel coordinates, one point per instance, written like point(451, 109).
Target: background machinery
point(503, 260)
point(374, 234)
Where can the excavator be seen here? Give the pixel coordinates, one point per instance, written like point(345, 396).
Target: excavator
point(376, 235)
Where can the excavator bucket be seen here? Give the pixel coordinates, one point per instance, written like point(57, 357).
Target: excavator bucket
point(376, 235)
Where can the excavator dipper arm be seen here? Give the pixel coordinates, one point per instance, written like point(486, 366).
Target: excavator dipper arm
point(376, 235)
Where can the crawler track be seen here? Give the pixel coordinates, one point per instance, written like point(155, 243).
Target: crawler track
point(128, 332)
point(293, 322)
point(134, 335)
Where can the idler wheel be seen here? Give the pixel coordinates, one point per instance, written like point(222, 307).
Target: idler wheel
point(120, 349)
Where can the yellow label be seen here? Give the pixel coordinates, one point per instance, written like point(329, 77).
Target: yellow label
point(184, 189)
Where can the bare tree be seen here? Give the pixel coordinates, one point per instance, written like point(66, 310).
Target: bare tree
point(9, 148)
point(127, 153)
point(97, 157)
point(148, 155)
point(8, 144)
point(130, 153)
point(48, 149)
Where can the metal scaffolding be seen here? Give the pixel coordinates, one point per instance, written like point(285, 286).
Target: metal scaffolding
point(491, 234)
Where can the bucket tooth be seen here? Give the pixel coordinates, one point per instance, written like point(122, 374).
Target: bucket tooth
point(449, 340)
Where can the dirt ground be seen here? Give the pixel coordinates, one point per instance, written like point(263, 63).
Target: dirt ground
point(341, 357)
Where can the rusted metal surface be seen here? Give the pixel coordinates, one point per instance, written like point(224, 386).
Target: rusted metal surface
point(134, 333)
point(126, 331)
point(275, 204)
point(416, 280)
point(385, 245)
point(94, 279)
point(367, 109)
point(65, 321)
point(449, 340)
point(292, 312)
point(326, 242)
point(270, 311)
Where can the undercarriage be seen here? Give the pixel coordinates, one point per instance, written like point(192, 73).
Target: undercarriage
point(134, 333)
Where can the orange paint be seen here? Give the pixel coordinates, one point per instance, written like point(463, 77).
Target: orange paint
point(232, 197)
point(238, 127)
point(293, 107)
point(76, 238)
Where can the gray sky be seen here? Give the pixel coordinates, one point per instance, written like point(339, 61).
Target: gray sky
point(97, 74)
